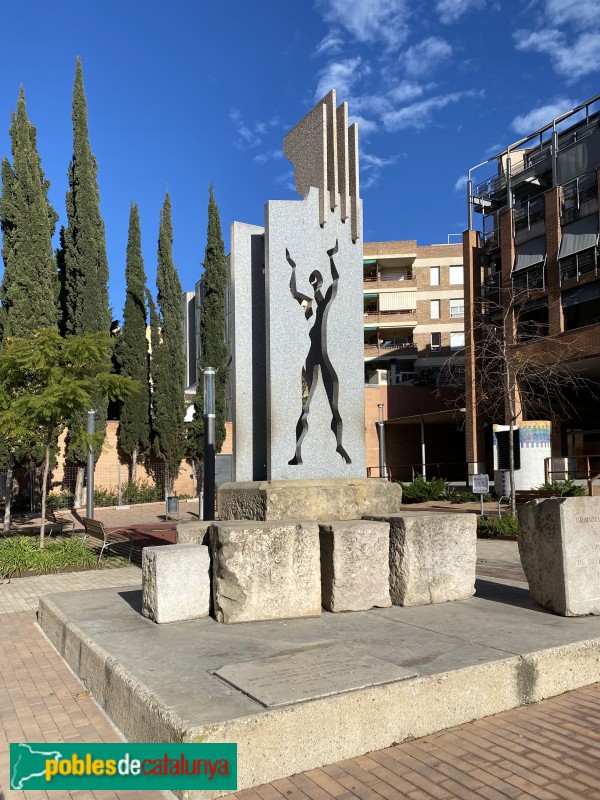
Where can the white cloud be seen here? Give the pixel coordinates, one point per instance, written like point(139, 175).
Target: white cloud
point(525, 124)
point(461, 183)
point(372, 166)
point(269, 155)
point(452, 10)
point(330, 45)
point(341, 76)
point(250, 135)
point(423, 58)
point(568, 34)
point(582, 14)
point(408, 90)
point(365, 126)
point(370, 21)
point(418, 115)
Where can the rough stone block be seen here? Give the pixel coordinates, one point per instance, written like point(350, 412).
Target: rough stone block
point(355, 572)
point(265, 570)
point(175, 582)
point(432, 557)
point(321, 500)
point(559, 545)
point(193, 532)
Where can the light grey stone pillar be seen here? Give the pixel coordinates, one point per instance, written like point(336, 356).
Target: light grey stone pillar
point(175, 582)
point(355, 571)
point(432, 557)
point(559, 545)
point(265, 570)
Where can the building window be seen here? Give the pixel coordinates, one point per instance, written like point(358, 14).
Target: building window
point(434, 276)
point(457, 308)
point(456, 276)
point(457, 340)
point(434, 309)
point(436, 341)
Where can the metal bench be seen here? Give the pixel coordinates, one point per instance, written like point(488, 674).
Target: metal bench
point(109, 538)
point(57, 522)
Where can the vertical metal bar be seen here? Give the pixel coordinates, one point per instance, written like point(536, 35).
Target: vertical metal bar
point(31, 489)
point(554, 150)
point(89, 507)
point(509, 200)
point(119, 485)
point(423, 466)
point(209, 443)
point(381, 435)
point(469, 203)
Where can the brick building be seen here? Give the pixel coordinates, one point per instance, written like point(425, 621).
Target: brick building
point(537, 253)
point(413, 326)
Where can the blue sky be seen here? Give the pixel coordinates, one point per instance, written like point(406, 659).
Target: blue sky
point(188, 93)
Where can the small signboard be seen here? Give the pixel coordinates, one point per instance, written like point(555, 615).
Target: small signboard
point(172, 507)
point(481, 484)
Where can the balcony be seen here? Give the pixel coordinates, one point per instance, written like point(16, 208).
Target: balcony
point(579, 198)
point(374, 282)
point(405, 317)
point(529, 219)
point(578, 265)
point(398, 348)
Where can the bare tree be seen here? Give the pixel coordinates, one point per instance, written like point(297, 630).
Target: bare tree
point(521, 369)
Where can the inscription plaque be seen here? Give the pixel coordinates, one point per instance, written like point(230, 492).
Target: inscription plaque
point(317, 672)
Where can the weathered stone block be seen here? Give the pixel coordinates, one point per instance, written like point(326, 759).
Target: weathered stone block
point(432, 557)
point(193, 531)
point(321, 500)
point(175, 582)
point(265, 570)
point(355, 572)
point(559, 545)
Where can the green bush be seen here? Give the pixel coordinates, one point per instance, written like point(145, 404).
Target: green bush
point(493, 527)
point(60, 500)
point(19, 554)
point(141, 492)
point(567, 488)
point(421, 490)
point(105, 497)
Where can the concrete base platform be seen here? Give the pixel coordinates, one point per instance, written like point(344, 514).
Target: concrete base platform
point(472, 658)
point(320, 500)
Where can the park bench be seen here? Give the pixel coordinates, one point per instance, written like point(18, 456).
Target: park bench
point(109, 538)
point(523, 496)
point(58, 522)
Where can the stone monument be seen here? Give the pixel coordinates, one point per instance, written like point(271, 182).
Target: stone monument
point(559, 545)
point(297, 333)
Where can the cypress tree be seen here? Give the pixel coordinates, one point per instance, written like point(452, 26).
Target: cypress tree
point(132, 355)
point(85, 263)
point(212, 331)
point(29, 284)
point(168, 362)
point(28, 292)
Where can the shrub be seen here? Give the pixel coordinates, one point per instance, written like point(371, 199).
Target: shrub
point(566, 488)
point(492, 527)
point(60, 500)
point(105, 497)
point(141, 492)
point(19, 554)
point(421, 490)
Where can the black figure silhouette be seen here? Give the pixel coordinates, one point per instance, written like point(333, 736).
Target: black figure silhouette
point(318, 358)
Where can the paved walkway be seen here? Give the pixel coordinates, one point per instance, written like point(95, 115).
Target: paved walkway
point(545, 751)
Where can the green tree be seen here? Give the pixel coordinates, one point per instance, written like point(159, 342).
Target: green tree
point(167, 361)
point(28, 292)
point(213, 350)
point(46, 381)
point(132, 351)
point(85, 265)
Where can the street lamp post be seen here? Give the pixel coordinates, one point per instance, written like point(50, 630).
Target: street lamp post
point(381, 434)
point(209, 443)
point(89, 503)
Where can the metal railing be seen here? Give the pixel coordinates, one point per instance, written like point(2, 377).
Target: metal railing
point(530, 280)
point(579, 197)
point(530, 212)
point(578, 265)
point(582, 468)
point(455, 471)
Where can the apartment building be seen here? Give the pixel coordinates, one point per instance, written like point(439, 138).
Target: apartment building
point(413, 310)
point(413, 345)
point(534, 263)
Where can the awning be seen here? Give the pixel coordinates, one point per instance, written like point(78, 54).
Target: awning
point(370, 295)
point(370, 328)
point(578, 236)
point(530, 253)
point(397, 301)
point(581, 294)
point(369, 261)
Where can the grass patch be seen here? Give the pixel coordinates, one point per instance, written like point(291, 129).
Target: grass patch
point(497, 527)
point(22, 554)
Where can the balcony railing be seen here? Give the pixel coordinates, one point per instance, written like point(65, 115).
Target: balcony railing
point(530, 212)
point(579, 265)
point(530, 280)
point(391, 345)
point(579, 198)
